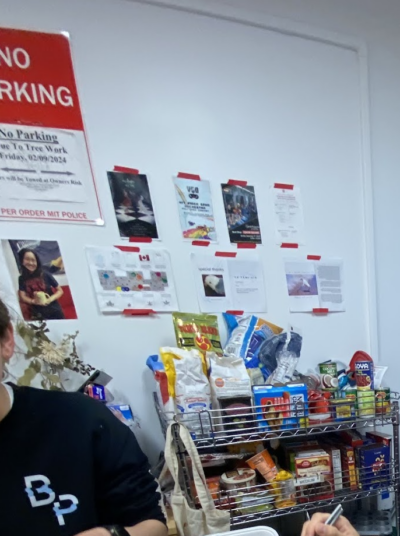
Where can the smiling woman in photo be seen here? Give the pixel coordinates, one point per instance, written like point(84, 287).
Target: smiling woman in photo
point(37, 288)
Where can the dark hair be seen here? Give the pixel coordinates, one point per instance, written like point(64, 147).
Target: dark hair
point(4, 319)
point(26, 274)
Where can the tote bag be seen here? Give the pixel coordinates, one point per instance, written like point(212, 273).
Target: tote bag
point(192, 521)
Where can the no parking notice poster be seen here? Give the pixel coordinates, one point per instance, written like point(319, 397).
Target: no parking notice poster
point(45, 170)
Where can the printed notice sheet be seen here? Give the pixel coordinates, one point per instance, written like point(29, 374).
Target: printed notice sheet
point(288, 215)
point(132, 280)
point(315, 284)
point(195, 209)
point(225, 284)
point(45, 170)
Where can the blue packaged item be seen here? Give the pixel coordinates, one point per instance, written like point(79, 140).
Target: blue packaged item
point(374, 466)
point(246, 336)
point(123, 412)
point(281, 407)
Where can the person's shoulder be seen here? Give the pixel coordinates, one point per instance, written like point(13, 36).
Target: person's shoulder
point(73, 405)
point(48, 276)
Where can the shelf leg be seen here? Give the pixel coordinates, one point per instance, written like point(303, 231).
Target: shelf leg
point(396, 453)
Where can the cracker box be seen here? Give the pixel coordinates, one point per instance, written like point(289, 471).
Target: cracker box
point(347, 458)
point(336, 460)
point(348, 466)
point(281, 407)
point(317, 464)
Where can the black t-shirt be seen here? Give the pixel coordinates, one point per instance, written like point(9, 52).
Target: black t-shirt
point(69, 465)
point(45, 283)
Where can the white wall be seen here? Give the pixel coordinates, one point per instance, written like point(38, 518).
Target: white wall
point(100, 18)
point(377, 23)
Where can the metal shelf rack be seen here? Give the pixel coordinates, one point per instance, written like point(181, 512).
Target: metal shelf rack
point(212, 431)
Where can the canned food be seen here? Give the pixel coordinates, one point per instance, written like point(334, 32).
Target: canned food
point(382, 400)
point(366, 403)
point(342, 409)
point(328, 373)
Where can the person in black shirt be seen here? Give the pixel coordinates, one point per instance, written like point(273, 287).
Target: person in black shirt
point(38, 289)
point(69, 466)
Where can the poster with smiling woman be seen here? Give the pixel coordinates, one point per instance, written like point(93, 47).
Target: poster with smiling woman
point(38, 275)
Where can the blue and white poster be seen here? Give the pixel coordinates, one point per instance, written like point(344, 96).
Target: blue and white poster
point(195, 209)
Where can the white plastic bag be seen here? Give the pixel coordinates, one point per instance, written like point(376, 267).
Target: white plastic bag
point(189, 388)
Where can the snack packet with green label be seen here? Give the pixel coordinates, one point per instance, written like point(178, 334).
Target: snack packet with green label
point(197, 331)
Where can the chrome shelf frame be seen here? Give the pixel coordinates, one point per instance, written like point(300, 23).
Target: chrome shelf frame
point(210, 430)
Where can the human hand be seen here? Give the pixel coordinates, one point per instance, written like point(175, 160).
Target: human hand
point(316, 527)
point(99, 531)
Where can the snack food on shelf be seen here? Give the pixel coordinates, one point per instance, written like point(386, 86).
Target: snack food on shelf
point(253, 503)
point(238, 479)
point(188, 386)
point(374, 466)
point(264, 464)
point(198, 331)
point(214, 485)
point(285, 491)
point(316, 465)
point(230, 391)
point(281, 407)
point(336, 460)
point(246, 335)
point(382, 400)
point(380, 437)
point(366, 403)
point(236, 414)
point(249, 448)
point(342, 409)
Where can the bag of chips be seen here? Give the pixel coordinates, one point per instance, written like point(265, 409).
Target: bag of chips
point(197, 331)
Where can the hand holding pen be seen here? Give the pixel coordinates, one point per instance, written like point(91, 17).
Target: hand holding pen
point(317, 527)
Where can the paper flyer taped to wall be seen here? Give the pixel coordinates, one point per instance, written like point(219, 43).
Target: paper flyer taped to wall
point(132, 280)
point(225, 284)
point(133, 205)
point(241, 213)
point(315, 285)
point(195, 208)
point(288, 215)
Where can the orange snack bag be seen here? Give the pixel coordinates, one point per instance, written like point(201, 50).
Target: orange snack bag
point(264, 464)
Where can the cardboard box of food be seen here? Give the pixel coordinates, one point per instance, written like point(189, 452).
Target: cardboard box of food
point(281, 407)
point(314, 463)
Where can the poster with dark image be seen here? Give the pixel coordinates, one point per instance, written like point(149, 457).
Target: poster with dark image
point(133, 205)
point(38, 270)
point(241, 213)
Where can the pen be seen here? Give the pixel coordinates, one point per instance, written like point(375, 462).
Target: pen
point(338, 511)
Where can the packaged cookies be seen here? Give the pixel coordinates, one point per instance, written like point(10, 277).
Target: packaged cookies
point(197, 331)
